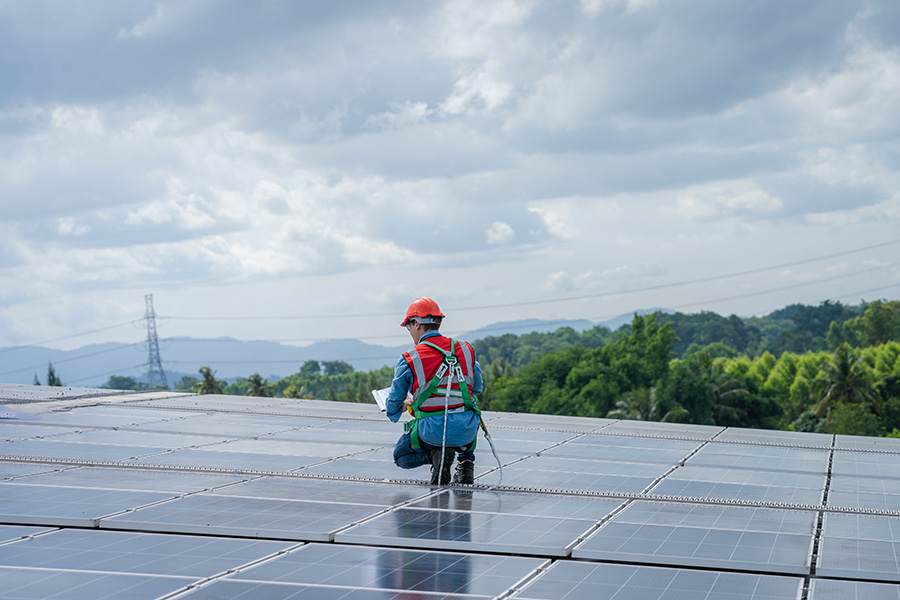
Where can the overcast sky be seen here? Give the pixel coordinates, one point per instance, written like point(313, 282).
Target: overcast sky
point(511, 159)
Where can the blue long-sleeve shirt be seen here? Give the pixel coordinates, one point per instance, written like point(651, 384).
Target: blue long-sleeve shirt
point(462, 427)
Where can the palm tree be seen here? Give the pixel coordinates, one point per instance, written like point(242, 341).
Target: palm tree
point(258, 386)
point(208, 385)
point(729, 393)
point(844, 381)
point(642, 405)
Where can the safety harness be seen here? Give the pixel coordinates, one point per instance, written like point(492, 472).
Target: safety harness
point(443, 381)
point(442, 384)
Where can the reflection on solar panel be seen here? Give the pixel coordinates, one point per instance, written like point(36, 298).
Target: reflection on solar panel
point(107, 494)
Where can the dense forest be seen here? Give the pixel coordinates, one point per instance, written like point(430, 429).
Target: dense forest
point(828, 368)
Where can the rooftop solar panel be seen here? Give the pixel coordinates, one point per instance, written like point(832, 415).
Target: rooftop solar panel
point(739, 491)
point(536, 505)
point(124, 552)
point(394, 569)
point(201, 458)
point(621, 453)
point(134, 480)
point(586, 581)
point(585, 508)
point(59, 449)
point(211, 514)
point(62, 506)
point(40, 584)
point(621, 441)
point(860, 546)
point(14, 532)
point(832, 589)
point(462, 529)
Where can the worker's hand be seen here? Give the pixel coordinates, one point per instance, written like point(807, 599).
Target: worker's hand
point(407, 404)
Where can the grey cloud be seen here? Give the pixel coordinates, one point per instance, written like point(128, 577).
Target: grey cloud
point(803, 195)
point(76, 52)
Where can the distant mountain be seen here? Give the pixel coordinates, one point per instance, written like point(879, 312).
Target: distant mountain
point(626, 319)
point(91, 366)
point(526, 326)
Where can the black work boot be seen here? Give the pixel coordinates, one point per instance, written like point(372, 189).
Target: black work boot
point(440, 472)
point(465, 472)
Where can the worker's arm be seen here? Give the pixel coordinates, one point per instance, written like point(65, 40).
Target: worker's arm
point(394, 406)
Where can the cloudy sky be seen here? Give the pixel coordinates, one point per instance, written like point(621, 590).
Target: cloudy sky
point(298, 171)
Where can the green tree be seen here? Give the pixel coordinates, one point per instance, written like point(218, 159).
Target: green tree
point(258, 386)
point(292, 391)
point(208, 385)
point(52, 378)
point(121, 382)
point(336, 367)
point(643, 405)
point(879, 324)
point(187, 384)
point(310, 368)
point(843, 381)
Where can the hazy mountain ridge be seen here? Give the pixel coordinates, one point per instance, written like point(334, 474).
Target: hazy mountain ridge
point(93, 364)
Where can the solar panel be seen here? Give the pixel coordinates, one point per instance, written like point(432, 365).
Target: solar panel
point(40, 584)
point(77, 507)
point(713, 536)
point(769, 478)
point(146, 553)
point(621, 453)
point(229, 460)
point(324, 490)
point(638, 442)
point(245, 517)
point(17, 469)
point(14, 532)
point(173, 482)
point(860, 546)
point(536, 505)
point(831, 589)
point(585, 581)
point(282, 498)
point(738, 491)
point(462, 529)
point(20, 431)
point(571, 481)
point(60, 449)
point(394, 569)
point(598, 467)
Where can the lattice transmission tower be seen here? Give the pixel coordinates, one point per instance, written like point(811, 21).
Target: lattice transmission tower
point(155, 373)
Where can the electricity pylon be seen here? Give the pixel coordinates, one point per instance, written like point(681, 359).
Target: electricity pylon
point(156, 376)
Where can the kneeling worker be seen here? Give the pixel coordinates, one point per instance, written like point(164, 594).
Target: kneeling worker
point(421, 380)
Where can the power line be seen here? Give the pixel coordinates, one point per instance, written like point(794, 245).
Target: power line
point(116, 372)
point(67, 337)
point(789, 287)
point(556, 300)
point(74, 358)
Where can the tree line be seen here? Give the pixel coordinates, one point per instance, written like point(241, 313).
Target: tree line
point(828, 368)
point(837, 376)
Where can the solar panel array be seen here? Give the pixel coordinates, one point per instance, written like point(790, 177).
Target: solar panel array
point(166, 495)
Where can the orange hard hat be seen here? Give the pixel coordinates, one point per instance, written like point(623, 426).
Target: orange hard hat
point(423, 308)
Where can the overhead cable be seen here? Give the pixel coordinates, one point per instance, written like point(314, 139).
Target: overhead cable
point(554, 300)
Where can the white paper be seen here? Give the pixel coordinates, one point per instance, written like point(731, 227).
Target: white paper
point(381, 398)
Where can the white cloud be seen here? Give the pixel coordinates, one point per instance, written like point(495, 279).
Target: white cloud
point(720, 201)
point(190, 211)
point(500, 233)
point(400, 115)
point(167, 17)
point(68, 227)
point(557, 218)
